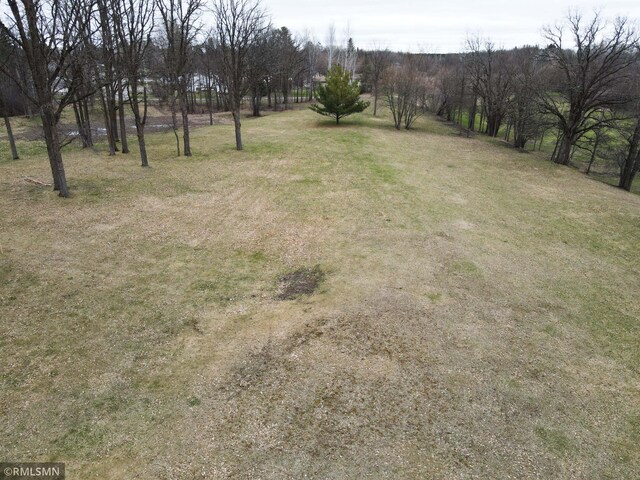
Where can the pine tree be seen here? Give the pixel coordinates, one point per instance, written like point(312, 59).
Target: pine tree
point(339, 97)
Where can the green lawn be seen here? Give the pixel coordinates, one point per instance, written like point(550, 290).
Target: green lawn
point(477, 315)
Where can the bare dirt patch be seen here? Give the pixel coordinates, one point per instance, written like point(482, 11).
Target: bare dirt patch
point(303, 281)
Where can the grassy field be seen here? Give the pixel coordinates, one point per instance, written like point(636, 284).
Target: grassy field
point(604, 167)
point(476, 314)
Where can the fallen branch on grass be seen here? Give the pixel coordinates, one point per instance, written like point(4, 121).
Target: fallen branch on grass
point(37, 182)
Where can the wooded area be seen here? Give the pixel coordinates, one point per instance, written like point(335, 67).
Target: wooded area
point(581, 88)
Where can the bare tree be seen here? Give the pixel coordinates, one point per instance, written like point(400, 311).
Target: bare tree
point(105, 72)
point(601, 136)
point(451, 76)
point(630, 130)
point(582, 82)
point(376, 63)
point(180, 27)
point(134, 38)
point(81, 73)
point(523, 110)
point(331, 45)
point(349, 57)
point(9, 60)
point(48, 32)
point(260, 67)
point(404, 88)
point(238, 24)
point(7, 122)
point(288, 59)
point(311, 57)
point(630, 164)
point(208, 64)
point(491, 76)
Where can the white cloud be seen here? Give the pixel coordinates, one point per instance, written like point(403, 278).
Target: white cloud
point(439, 26)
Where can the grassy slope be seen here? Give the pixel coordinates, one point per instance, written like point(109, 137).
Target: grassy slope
point(479, 314)
point(602, 169)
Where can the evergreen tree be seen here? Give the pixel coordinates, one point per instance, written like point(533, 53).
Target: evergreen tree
point(339, 97)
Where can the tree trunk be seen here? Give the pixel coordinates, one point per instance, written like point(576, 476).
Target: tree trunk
point(507, 133)
point(520, 137)
point(210, 105)
point(519, 141)
point(12, 141)
point(285, 96)
point(80, 124)
point(562, 155)
point(185, 125)
point(141, 143)
point(544, 132)
point(111, 124)
point(175, 130)
point(461, 102)
point(256, 101)
point(632, 160)
point(493, 125)
point(375, 100)
point(123, 126)
point(52, 141)
point(472, 113)
point(114, 117)
point(108, 58)
point(593, 153)
point(138, 119)
point(84, 109)
point(174, 122)
point(236, 124)
point(107, 123)
point(194, 96)
point(628, 173)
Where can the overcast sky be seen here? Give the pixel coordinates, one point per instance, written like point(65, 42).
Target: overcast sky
point(434, 26)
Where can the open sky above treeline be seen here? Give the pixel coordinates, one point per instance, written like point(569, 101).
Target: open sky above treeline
point(435, 26)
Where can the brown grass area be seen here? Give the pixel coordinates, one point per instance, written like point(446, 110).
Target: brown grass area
point(477, 315)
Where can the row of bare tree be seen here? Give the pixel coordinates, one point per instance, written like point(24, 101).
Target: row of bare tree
point(111, 56)
point(73, 53)
point(583, 89)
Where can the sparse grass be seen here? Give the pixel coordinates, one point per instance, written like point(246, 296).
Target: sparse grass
point(477, 315)
point(603, 169)
point(555, 440)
